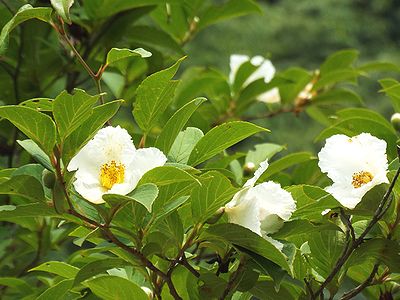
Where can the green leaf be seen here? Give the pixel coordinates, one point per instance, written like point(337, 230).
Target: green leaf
point(57, 291)
point(117, 54)
point(62, 8)
point(243, 237)
point(154, 95)
point(37, 126)
point(57, 267)
point(216, 190)
point(115, 288)
point(184, 144)
point(229, 9)
point(339, 60)
point(25, 13)
point(40, 104)
point(392, 89)
point(96, 267)
point(337, 96)
point(17, 284)
point(262, 152)
point(220, 138)
point(144, 194)
point(77, 139)
point(311, 201)
point(28, 210)
point(70, 111)
point(379, 66)
point(166, 175)
point(175, 124)
point(33, 149)
point(286, 162)
point(25, 186)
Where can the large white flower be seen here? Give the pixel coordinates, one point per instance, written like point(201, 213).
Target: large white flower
point(355, 165)
point(265, 70)
point(110, 164)
point(262, 208)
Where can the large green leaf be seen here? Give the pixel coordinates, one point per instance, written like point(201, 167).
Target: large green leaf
point(115, 288)
point(57, 291)
point(117, 54)
point(144, 194)
point(229, 9)
point(70, 111)
point(286, 162)
point(176, 123)
point(184, 144)
point(96, 267)
point(25, 13)
point(16, 284)
point(247, 239)
point(28, 210)
point(339, 60)
point(37, 126)
point(57, 267)
point(215, 191)
point(166, 175)
point(25, 186)
point(33, 149)
point(62, 8)
point(220, 138)
point(101, 114)
point(154, 95)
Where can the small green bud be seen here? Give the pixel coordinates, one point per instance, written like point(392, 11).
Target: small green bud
point(249, 168)
point(395, 119)
point(214, 218)
point(48, 178)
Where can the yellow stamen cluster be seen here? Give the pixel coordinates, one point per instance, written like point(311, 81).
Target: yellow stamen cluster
point(111, 174)
point(361, 178)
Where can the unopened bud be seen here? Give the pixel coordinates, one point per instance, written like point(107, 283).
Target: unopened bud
point(395, 119)
point(249, 168)
point(48, 178)
point(214, 218)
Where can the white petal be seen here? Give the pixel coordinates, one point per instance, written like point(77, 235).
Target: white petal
point(257, 174)
point(245, 213)
point(271, 96)
point(342, 157)
point(236, 60)
point(146, 159)
point(273, 200)
point(265, 70)
point(91, 192)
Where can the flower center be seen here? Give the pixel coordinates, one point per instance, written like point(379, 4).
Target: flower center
point(111, 174)
point(361, 178)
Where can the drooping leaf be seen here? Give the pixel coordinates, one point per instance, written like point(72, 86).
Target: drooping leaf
point(245, 238)
point(25, 186)
point(117, 54)
point(37, 126)
point(57, 291)
point(25, 13)
point(62, 7)
point(144, 194)
point(115, 288)
point(220, 138)
point(57, 267)
point(33, 149)
point(184, 144)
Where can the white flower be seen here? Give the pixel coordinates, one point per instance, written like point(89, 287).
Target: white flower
point(110, 164)
point(355, 165)
point(262, 208)
point(265, 70)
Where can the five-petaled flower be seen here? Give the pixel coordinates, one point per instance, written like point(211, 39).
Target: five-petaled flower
point(265, 70)
point(110, 164)
point(355, 165)
point(262, 208)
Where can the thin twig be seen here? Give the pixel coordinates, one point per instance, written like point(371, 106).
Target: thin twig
point(362, 286)
point(233, 278)
point(348, 224)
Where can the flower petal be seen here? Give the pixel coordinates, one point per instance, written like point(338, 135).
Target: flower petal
point(92, 192)
point(271, 96)
point(235, 61)
point(146, 159)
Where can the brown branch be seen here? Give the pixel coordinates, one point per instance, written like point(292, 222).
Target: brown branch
point(233, 278)
point(362, 286)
